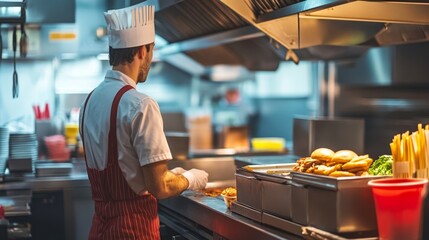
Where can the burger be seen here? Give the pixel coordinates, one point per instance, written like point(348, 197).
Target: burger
point(343, 156)
point(322, 154)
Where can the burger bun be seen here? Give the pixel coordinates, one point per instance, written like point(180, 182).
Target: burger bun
point(322, 154)
point(343, 156)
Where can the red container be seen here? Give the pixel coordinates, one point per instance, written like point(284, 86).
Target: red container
point(398, 204)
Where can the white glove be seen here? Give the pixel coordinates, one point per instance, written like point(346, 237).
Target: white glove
point(197, 178)
point(178, 170)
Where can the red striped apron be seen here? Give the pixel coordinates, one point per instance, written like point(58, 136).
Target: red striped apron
point(120, 213)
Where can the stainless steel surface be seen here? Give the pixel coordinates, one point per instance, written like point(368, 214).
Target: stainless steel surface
point(332, 22)
point(275, 193)
point(388, 88)
point(262, 57)
point(77, 178)
point(412, 12)
point(299, 204)
point(246, 211)
point(179, 144)
point(401, 65)
point(53, 169)
point(334, 133)
point(241, 161)
point(211, 33)
point(216, 39)
point(276, 199)
point(336, 204)
point(192, 18)
point(212, 214)
point(174, 121)
point(259, 191)
point(281, 223)
point(249, 190)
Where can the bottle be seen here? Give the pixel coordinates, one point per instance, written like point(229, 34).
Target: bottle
point(4, 223)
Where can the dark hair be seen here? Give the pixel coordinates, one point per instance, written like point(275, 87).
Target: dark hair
point(123, 55)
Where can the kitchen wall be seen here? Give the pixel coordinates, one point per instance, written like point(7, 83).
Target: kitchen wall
point(36, 86)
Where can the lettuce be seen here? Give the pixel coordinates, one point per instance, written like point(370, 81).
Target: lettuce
point(382, 166)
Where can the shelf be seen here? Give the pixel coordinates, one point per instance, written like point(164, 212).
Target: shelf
point(9, 18)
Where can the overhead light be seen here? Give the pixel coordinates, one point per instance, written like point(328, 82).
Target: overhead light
point(224, 73)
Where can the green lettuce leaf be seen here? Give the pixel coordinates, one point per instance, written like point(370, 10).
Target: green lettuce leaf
point(382, 166)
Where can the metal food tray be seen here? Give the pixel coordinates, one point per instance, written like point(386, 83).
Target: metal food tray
point(249, 189)
point(53, 169)
point(266, 192)
point(337, 205)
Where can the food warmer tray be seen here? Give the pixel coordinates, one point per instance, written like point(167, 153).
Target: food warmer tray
point(264, 192)
point(336, 205)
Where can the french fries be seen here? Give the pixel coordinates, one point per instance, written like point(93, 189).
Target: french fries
point(410, 153)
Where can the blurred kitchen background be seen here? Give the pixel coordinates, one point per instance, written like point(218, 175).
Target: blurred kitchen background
point(216, 69)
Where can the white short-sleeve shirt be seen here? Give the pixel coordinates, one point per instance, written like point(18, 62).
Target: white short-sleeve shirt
point(140, 134)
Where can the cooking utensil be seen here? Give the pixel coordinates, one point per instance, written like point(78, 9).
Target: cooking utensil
point(15, 87)
point(23, 42)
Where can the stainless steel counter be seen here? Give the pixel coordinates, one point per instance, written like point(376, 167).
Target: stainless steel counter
point(77, 179)
point(208, 216)
point(199, 216)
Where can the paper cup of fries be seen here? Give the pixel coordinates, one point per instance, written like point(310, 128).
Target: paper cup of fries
point(399, 207)
point(229, 196)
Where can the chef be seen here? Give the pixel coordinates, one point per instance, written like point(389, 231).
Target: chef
point(126, 151)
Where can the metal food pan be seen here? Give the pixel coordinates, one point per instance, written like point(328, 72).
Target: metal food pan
point(266, 192)
point(276, 189)
point(249, 189)
point(299, 203)
point(338, 205)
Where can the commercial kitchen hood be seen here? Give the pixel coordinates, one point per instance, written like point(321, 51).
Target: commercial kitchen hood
point(260, 33)
point(212, 34)
point(308, 23)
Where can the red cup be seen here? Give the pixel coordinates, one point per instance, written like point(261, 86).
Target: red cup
point(398, 205)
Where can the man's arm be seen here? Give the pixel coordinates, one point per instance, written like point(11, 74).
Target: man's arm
point(162, 183)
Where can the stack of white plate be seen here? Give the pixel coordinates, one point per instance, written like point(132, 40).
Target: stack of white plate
point(4, 148)
point(22, 146)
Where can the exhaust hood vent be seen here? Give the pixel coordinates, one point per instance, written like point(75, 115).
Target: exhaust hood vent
point(212, 34)
point(261, 57)
point(195, 18)
point(258, 34)
point(302, 24)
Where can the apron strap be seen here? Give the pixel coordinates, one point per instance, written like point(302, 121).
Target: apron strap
point(83, 126)
point(112, 144)
point(112, 156)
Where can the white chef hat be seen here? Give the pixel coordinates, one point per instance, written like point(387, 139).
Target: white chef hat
point(130, 27)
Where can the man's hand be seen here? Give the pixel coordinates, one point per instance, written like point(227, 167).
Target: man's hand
point(197, 179)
